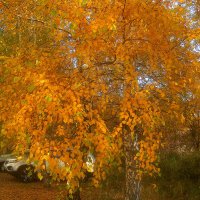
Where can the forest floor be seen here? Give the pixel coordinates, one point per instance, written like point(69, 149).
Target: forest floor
point(12, 189)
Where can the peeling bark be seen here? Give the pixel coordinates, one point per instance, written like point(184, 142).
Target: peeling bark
point(132, 187)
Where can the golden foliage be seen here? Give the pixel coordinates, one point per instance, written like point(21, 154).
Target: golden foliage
point(71, 64)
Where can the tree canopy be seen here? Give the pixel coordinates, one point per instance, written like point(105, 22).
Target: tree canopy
point(106, 77)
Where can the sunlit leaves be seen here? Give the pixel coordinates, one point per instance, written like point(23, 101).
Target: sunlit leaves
point(78, 71)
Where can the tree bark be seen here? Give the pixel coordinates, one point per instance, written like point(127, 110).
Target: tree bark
point(132, 185)
point(76, 195)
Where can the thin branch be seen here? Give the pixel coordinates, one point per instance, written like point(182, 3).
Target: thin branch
point(44, 23)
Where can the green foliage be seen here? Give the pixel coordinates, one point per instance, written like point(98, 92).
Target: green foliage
point(115, 178)
point(30, 88)
point(48, 98)
point(174, 167)
point(180, 166)
point(180, 179)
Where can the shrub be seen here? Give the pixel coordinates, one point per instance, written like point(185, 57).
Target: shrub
point(180, 166)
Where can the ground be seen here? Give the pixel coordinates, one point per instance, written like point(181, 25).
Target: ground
point(12, 189)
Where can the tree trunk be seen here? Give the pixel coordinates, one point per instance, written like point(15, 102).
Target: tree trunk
point(76, 195)
point(132, 189)
point(132, 186)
